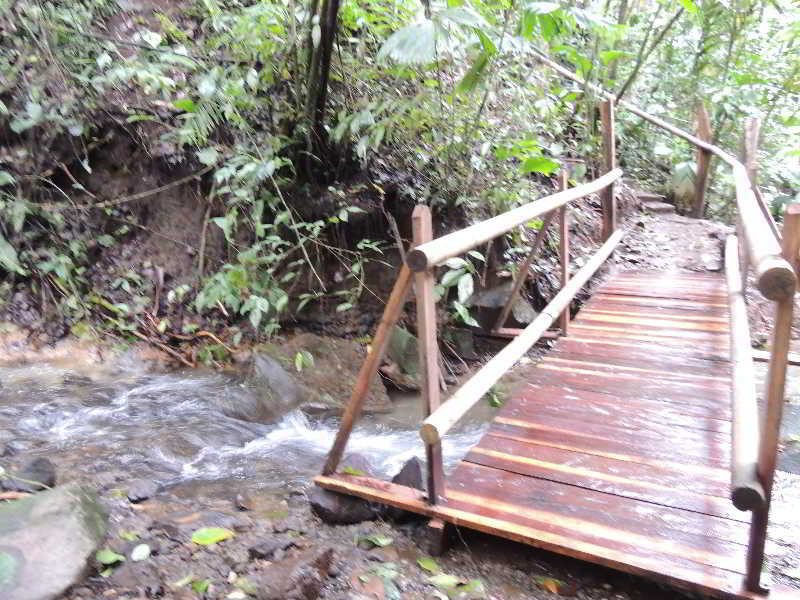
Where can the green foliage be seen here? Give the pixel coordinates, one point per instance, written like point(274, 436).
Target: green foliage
point(452, 97)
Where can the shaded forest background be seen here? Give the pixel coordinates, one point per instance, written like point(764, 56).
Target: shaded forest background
point(203, 172)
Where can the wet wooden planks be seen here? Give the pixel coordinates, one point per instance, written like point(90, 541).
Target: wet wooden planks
point(617, 449)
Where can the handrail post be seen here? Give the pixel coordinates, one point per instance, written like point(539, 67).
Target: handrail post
point(563, 248)
point(608, 198)
point(771, 421)
point(703, 161)
point(424, 282)
point(394, 307)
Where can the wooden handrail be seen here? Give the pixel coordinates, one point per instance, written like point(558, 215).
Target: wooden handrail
point(774, 276)
point(439, 250)
point(444, 417)
point(747, 492)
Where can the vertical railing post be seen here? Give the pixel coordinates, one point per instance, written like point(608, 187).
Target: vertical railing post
point(424, 282)
point(563, 248)
point(752, 131)
point(703, 161)
point(771, 420)
point(608, 198)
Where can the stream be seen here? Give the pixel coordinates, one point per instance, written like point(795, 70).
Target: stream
point(122, 423)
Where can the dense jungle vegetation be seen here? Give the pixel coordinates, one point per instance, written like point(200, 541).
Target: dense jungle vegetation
point(220, 167)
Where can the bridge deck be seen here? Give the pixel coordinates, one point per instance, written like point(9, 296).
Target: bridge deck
point(617, 449)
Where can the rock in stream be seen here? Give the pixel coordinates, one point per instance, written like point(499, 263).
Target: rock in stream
point(47, 542)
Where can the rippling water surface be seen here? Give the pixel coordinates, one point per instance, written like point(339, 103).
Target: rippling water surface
point(170, 428)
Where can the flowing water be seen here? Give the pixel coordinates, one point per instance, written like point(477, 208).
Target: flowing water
point(122, 423)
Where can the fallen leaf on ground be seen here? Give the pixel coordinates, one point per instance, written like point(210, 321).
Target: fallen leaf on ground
point(556, 586)
point(108, 557)
point(430, 565)
point(206, 536)
point(381, 541)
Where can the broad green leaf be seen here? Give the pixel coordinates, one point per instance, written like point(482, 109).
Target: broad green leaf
point(456, 263)
point(476, 255)
point(140, 552)
point(8, 258)
point(608, 56)
point(207, 87)
point(444, 581)
point(451, 277)
point(128, 536)
point(353, 471)
point(6, 178)
point(661, 149)
point(470, 80)
point(464, 314)
point(689, 5)
point(108, 557)
point(430, 565)
point(381, 541)
point(186, 104)
point(151, 38)
point(462, 15)
point(539, 164)
point(208, 156)
point(252, 78)
point(465, 287)
point(206, 536)
point(201, 586)
point(413, 44)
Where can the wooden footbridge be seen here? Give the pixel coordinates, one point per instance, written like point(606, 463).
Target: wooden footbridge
point(637, 442)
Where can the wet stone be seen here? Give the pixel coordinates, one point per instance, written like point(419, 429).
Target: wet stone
point(339, 509)
point(409, 476)
point(35, 475)
point(298, 578)
point(56, 533)
point(141, 490)
point(266, 549)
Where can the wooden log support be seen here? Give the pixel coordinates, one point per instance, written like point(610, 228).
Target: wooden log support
point(438, 537)
point(747, 493)
point(703, 132)
point(441, 420)
point(439, 250)
point(524, 270)
point(424, 282)
point(771, 424)
point(563, 249)
point(391, 313)
point(608, 198)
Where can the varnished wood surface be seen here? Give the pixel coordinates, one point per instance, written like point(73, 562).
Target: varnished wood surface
point(616, 450)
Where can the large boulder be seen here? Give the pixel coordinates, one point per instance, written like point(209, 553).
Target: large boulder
point(409, 476)
point(269, 393)
point(47, 542)
point(340, 509)
point(402, 359)
point(486, 305)
point(322, 388)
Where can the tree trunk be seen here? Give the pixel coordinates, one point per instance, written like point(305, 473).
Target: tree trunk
point(319, 66)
